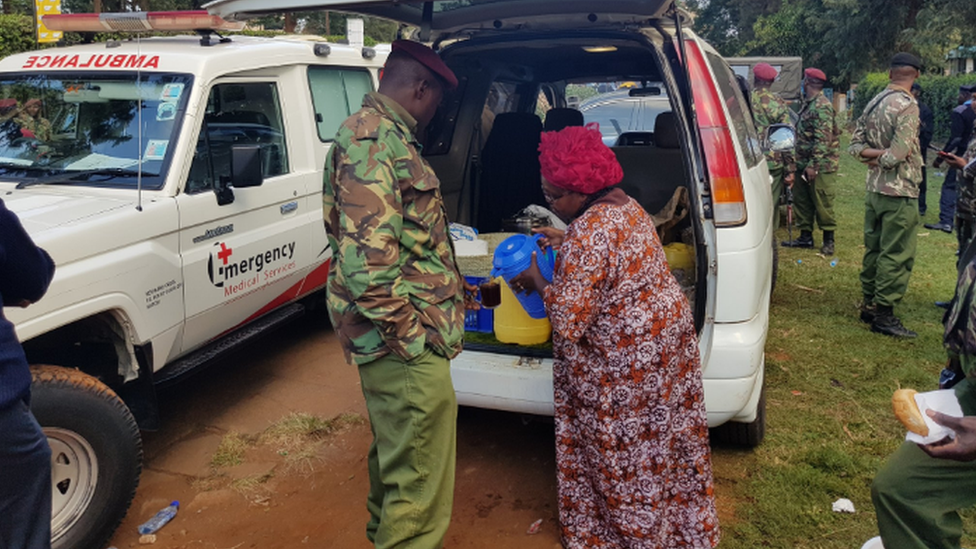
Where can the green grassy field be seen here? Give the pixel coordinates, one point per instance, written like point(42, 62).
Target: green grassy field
point(829, 381)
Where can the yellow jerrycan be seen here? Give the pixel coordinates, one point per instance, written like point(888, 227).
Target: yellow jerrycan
point(514, 325)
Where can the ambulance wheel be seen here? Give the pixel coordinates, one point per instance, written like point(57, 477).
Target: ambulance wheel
point(96, 455)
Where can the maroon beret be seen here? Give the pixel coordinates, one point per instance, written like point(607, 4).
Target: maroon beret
point(815, 73)
point(427, 58)
point(764, 71)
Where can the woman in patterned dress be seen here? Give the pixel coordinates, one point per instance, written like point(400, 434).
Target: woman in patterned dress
point(633, 460)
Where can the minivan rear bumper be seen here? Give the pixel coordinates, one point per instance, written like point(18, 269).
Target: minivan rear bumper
point(732, 378)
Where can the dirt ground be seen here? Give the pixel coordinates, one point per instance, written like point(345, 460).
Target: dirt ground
point(505, 469)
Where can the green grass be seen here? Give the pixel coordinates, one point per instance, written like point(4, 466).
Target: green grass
point(231, 450)
point(829, 382)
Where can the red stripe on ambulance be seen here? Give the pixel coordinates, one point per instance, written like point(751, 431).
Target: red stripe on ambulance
point(96, 61)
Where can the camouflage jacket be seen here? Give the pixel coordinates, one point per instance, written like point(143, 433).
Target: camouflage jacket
point(817, 142)
point(966, 201)
point(959, 321)
point(40, 127)
point(890, 122)
point(768, 109)
point(393, 284)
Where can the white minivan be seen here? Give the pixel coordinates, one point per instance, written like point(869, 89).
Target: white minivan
point(505, 52)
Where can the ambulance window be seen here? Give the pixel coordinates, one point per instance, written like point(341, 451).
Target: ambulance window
point(336, 93)
point(238, 114)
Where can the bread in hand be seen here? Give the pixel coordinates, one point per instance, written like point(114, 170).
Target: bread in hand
point(907, 412)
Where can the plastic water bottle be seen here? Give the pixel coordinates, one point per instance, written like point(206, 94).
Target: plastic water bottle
point(159, 519)
point(833, 263)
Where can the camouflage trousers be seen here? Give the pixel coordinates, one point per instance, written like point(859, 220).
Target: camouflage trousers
point(777, 174)
point(413, 416)
point(890, 226)
point(916, 497)
point(814, 201)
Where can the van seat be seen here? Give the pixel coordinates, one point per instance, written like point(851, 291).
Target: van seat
point(561, 118)
point(653, 164)
point(510, 178)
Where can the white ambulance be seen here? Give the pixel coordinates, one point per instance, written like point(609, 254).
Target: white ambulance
point(176, 182)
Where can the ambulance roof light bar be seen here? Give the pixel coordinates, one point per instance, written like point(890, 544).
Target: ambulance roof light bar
point(140, 21)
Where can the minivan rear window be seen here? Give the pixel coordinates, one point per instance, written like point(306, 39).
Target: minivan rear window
point(745, 131)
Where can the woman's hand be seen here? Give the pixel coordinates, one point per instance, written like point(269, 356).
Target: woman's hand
point(531, 279)
point(551, 236)
point(470, 296)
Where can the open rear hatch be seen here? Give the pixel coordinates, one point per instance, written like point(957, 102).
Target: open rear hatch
point(528, 40)
point(442, 19)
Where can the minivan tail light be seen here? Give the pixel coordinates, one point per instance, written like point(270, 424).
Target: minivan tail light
point(728, 196)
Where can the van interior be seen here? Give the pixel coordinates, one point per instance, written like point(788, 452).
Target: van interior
point(484, 144)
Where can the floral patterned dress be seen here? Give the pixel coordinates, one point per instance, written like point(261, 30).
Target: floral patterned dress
point(633, 461)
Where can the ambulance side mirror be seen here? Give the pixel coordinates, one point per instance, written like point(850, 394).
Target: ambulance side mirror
point(245, 166)
point(245, 171)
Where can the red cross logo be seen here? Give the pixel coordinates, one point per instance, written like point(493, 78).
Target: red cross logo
point(224, 253)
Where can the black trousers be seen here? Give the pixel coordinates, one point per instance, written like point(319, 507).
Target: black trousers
point(25, 481)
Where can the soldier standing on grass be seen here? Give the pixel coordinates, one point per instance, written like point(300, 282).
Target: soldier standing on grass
point(395, 296)
point(886, 138)
point(966, 198)
point(768, 109)
point(960, 127)
point(817, 152)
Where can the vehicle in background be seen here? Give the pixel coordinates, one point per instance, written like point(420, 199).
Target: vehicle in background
point(179, 194)
point(788, 79)
point(634, 109)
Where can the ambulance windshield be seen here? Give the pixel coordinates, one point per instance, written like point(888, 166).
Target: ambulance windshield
point(90, 129)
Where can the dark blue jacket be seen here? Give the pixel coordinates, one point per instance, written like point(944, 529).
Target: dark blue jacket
point(25, 272)
point(960, 127)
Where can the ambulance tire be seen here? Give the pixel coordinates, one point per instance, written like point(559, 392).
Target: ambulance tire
point(96, 455)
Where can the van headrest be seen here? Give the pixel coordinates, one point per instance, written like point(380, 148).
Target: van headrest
point(559, 118)
point(635, 139)
point(666, 131)
point(517, 123)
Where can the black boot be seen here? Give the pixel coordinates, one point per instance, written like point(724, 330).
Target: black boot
point(805, 241)
point(828, 243)
point(885, 322)
point(868, 312)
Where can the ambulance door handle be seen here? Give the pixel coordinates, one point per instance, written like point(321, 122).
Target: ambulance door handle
point(289, 208)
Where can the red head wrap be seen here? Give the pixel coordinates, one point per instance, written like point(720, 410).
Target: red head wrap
point(576, 159)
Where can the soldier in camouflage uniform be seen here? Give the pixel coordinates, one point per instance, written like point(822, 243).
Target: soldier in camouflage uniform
point(886, 138)
point(395, 296)
point(966, 201)
point(768, 109)
point(917, 497)
point(818, 154)
point(30, 119)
